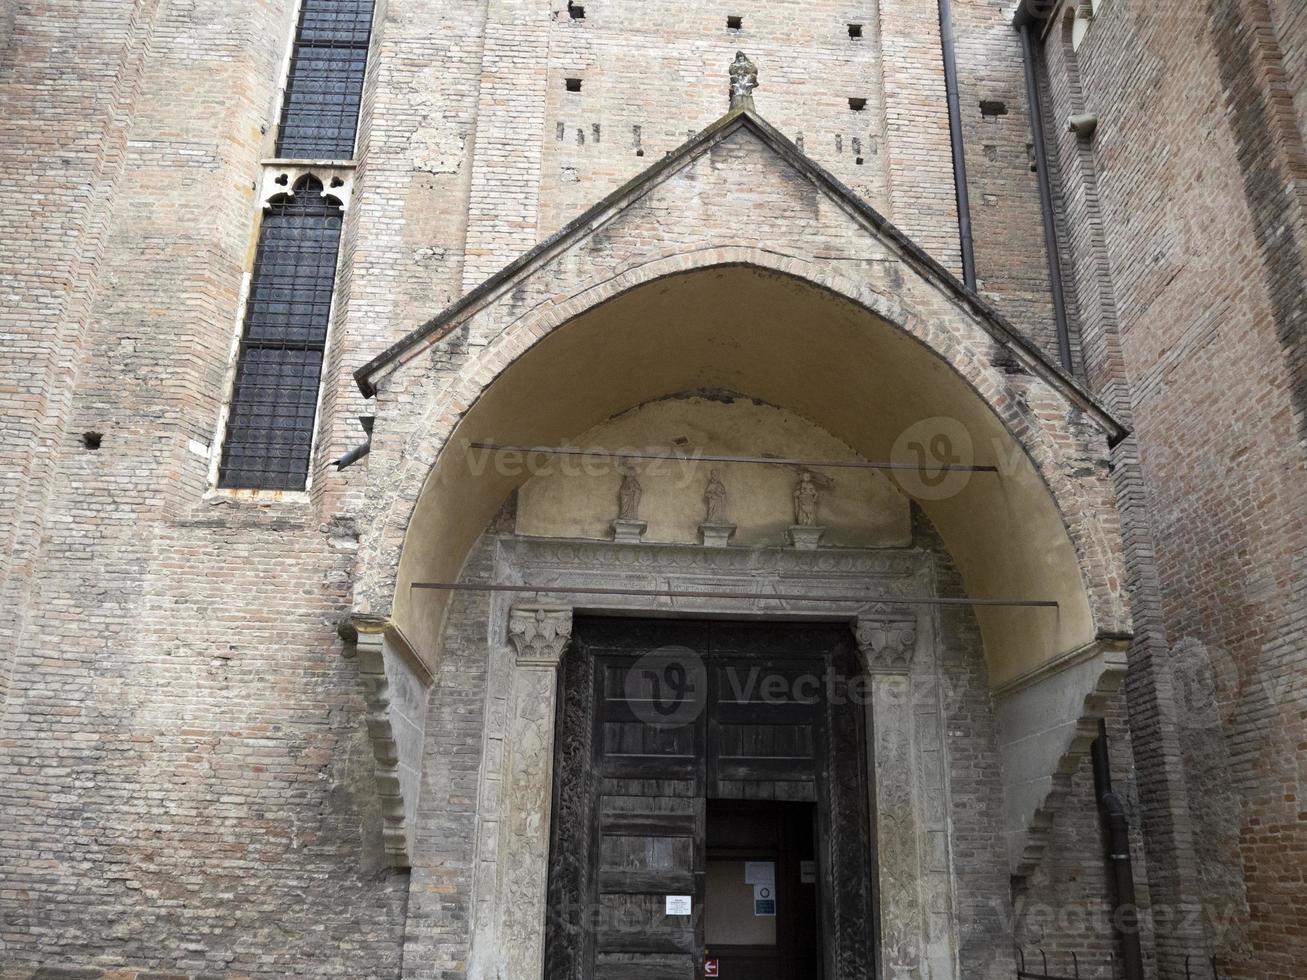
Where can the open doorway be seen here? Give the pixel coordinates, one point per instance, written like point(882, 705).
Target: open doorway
point(761, 899)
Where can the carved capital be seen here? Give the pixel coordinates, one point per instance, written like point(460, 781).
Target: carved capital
point(539, 634)
point(887, 639)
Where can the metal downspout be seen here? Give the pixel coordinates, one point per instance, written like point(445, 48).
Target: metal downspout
point(1125, 913)
point(1024, 22)
point(946, 42)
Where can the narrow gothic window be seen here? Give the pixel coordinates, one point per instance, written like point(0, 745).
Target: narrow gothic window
point(321, 108)
point(273, 404)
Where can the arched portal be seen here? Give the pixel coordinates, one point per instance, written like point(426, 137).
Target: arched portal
point(802, 347)
point(663, 293)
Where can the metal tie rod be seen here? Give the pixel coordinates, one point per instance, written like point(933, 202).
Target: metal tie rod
point(710, 594)
point(854, 464)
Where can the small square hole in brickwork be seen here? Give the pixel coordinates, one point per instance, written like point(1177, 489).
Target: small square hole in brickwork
point(855, 31)
point(734, 23)
point(575, 11)
point(993, 107)
point(572, 84)
point(91, 440)
point(857, 105)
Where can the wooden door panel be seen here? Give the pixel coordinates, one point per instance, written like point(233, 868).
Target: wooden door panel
point(645, 966)
point(639, 924)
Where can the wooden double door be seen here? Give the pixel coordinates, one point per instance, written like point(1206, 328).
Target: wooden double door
point(682, 747)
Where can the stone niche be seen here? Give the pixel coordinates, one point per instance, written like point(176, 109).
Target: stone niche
point(573, 498)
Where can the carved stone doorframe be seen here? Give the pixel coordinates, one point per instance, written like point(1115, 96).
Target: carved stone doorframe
point(511, 891)
point(905, 718)
point(905, 724)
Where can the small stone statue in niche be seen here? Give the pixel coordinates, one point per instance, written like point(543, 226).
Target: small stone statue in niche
point(629, 493)
point(715, 531)
point(744, 79)
point(627, 527)
point(714, 498)
point(806, 498)
point(805, 534)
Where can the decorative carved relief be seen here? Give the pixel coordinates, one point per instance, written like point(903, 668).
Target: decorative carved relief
point(578, 558)
point(539, 634)
point(911, 796)
point(280, 178)
point(509, 939)
point(886, 640)
point(897, 830)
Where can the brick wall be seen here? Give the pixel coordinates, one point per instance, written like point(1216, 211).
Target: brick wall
point(62, 152)
point(184, 781)
point(1007, 225)
point(1188, 238)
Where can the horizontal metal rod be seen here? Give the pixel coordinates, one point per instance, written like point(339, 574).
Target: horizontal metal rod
point(787, 596)
point(855, 464)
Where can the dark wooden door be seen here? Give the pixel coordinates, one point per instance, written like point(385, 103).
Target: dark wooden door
point(654, 719)
point(628, 829)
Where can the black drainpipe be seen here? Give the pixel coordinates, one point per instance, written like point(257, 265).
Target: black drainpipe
point(1125, 913)
point(1024, 22)
point(955, 137)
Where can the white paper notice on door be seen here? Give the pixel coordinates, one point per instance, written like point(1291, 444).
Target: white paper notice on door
point(678, 905)
point(760, 872)
point(764, 900)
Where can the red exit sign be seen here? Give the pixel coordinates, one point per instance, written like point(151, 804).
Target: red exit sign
point(710, 968)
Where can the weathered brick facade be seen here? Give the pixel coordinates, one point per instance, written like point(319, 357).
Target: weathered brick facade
point(186, 776)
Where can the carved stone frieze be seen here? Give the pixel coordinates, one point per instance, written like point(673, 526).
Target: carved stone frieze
point(607, 559)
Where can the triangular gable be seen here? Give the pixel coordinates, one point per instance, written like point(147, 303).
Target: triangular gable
point(993, 322)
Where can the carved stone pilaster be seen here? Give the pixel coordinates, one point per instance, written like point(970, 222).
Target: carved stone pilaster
point(887, 639)
point(539, 634)
point(911, 827)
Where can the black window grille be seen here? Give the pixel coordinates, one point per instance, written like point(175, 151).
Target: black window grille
point(275, 399)
point(321, 108)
